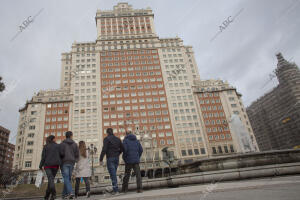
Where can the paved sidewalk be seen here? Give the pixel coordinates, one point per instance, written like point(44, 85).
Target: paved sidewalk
point(289, 186)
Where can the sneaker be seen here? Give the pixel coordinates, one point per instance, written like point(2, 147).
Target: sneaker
point(139, 191)
point(88, 194)
point(71, 196)
point(64, 197)
point(115, 193)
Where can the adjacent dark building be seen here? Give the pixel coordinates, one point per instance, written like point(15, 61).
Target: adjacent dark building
point(4, 135)
point(10, 156)
point(275, 117)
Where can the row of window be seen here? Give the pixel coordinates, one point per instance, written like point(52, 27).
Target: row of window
point(219, 149)
point(88, 97)
point(186, 132)
point(116, 53)
point(54, 119)
point(56, 126)
point(213, 114)
point(181, 104)
point(217, 129)
point(88, 48)
point(78, 55)
point(54, 112)
point(133, 94)
point(210, 101)
point(170, 50)
point(55, 105)
point(170, 55)
point(208, 108)
point(183, 111)
point(140, 100)
point(87, 104)
point(213, 122)
point(113, 84)
point(85, 84)
point(179, 84)
point(85, 77)
point(129, 58)
point(137, 121)
point(163, 142)
point(191, 152)
point(87, 60)
point(186, 125)
point(189, 140)
point(211, 94)
point(92, 110)
point(129, 63)
point(179, 98)
point(87, 125)
point(85, 90)
point(173, 60)
point(217, 137)
point(184, 118)
point(132, 87)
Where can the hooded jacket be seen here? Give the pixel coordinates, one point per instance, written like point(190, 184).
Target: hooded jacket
point(50, 155)
point(132, 150)
point(69, 151)
point(112, 147)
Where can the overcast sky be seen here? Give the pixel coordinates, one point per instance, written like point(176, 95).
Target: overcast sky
point(243, 53)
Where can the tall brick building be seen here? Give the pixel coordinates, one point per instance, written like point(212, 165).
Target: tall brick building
point(275, 117)
point(128, 78)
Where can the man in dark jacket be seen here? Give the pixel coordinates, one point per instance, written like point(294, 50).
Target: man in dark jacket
point(132, 153)
point(51, 162)
point(112, 148)
point(69, 154)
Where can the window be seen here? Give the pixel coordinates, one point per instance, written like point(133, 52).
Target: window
point(183, 152)
point(190, 152)
point(220, 149)
point(226, 149)
point(214, 150)
point(27, 163)
point(29, 151)
point(202, 151)
point(231, 149)
point(196, 151)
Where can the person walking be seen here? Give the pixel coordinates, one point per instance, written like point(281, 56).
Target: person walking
point(132, 153)
point(69, 153)
point(82, 170)
point(50, 161)
point(112, 148)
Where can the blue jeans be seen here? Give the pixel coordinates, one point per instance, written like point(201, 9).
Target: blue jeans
point(66, 171)
point(112, 166)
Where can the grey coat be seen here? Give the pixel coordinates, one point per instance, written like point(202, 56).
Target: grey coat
point(83, 168)
point(69, 151)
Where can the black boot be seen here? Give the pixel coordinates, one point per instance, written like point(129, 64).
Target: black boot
point(47, 195)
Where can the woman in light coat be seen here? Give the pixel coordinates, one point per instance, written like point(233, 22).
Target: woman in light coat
point(83, 169)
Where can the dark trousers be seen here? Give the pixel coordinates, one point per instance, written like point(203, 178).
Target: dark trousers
point(137, 171)
point(51, 173)
point(87, 185)
point(112, 167)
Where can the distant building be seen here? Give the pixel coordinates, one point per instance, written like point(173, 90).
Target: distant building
point(4, 136)
point(10, 156)
point(47, 113)
point(275, 117)
point(227, 127)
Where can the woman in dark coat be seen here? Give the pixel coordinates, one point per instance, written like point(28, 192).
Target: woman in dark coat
point(51, 162)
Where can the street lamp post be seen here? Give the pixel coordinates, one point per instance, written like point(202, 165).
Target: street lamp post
point(92, 150)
